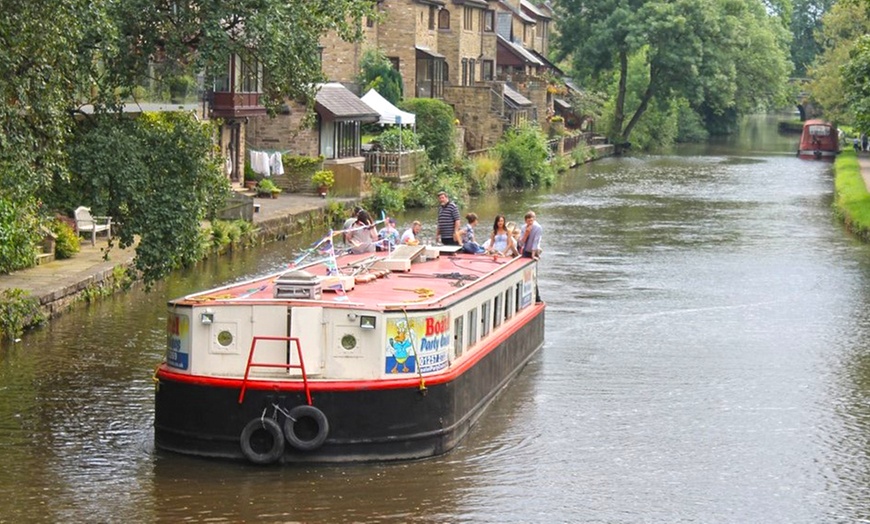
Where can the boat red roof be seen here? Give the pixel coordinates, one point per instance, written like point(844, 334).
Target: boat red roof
point(427, 284)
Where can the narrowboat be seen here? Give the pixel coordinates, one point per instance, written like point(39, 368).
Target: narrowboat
point(819, 139)
point(371, 357)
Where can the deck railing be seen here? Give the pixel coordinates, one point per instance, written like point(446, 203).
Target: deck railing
point(392, 163)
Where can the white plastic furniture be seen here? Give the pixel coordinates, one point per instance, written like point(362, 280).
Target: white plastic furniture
point(86, 223)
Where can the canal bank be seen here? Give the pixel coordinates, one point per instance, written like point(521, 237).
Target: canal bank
point(96, 270)
point(852, 192)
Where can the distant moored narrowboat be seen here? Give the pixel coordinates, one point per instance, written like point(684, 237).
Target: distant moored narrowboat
point(819, 139)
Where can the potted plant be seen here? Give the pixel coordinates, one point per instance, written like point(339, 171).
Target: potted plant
point(251, 178)
point(323, 180)
point(267, 188)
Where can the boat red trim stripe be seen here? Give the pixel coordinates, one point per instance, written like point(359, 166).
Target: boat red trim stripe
point(518, 321)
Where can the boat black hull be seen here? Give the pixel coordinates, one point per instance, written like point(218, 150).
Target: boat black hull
point(365, 423)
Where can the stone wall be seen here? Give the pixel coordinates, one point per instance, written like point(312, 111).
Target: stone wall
point(283, 132)
point(472, 105)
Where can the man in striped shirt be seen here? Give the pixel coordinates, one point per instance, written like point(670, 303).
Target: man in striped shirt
point(448, 221)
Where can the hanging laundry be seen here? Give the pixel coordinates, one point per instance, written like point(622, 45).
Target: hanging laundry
point(276, 164)
point(260, 162)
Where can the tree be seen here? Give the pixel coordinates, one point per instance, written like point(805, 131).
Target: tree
point(58, 56)
point(841, 27)
point(806, 21)
point(435, 127)
point(378, 73)
point(693, 49)
point(856, 81)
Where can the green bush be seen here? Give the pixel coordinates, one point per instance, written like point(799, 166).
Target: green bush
point(486, 170)
point(19, 235)
point(434, 126)
point(385, 198)
point(68, 242)
point(430, 179)
point(298, 171)
point(18, 310)
point(389, 139)
point(524, 153)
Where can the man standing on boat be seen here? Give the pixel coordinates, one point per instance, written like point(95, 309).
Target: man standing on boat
point(448, 221)
point(530, 237)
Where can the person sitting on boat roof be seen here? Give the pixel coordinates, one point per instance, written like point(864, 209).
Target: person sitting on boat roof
point(469, 245)
point(410, 235)
point(388, 235)
point(500, 241)
point(362, 234)
point(349, 223)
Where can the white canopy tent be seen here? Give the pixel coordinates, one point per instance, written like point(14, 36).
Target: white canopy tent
point(390, 114)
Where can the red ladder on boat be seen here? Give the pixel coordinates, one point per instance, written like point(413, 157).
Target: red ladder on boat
point(251, 364)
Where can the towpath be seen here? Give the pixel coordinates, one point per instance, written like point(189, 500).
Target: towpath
point(58, 282)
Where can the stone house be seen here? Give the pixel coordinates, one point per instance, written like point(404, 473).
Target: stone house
point(465, 52)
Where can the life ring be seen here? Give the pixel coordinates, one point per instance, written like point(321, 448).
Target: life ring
point(306, 428)
point(262, 441)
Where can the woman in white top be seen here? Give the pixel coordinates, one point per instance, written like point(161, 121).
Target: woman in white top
point(363, 235)
point(501, 241)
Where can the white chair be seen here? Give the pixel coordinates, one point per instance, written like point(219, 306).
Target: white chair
point(85, 223)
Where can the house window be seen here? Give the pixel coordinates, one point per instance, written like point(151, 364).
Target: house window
point(472, 73)
point(486, 68)
point(464, 72)
point(444, 19)
point(488, 21)
point(347, 139)
point(248, 74)
point(468, 19)
point(370, 22)
point(432, 12)
point(395, 61)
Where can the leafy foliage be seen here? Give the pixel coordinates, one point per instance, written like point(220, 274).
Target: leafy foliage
point(68, 242)
point(378, 73)
point(486, 173)
point(434, 126)
point(523, 153)
point(432, 178)
point(18, 234)
point(390, 139)
point(385, 198)
point(856, 79)
point(18, 310)
point(723, 57)
point(157, 177)
point(841, 28)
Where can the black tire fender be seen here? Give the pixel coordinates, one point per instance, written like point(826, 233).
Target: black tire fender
point(306, 428)
point(262, 441)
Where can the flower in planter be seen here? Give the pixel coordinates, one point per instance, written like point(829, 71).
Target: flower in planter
point(323, 180)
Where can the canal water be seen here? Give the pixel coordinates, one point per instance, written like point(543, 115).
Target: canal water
point(707, 359)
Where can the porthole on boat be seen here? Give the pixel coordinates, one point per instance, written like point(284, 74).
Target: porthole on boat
point(348, 342)
point(225, 338)
point(262, 441)
point(306, 428)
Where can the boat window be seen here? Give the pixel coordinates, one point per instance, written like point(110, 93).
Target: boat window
point(496, 311)
point(508, 307)
point(484, 319)
point(820, 130)
point(458, 336)
point(472, 327)
point(518, 294)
